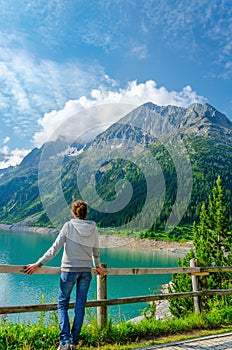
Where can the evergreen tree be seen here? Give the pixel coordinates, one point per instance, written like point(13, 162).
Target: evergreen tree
point(212, 243)
point(181, 283)
point(212, 238)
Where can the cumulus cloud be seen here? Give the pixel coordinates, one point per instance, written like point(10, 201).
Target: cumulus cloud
point(133, 95)
point(10, 157)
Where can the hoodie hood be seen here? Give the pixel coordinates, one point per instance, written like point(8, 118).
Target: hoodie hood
point(84, 227)
point(83, 232)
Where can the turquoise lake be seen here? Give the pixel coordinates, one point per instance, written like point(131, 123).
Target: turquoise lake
point(20, 248)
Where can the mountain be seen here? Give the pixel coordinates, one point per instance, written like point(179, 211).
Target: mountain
point(163, 152)
point(205, 135)
point(155, 121)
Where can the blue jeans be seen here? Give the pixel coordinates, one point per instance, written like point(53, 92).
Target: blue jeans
point(67, 282)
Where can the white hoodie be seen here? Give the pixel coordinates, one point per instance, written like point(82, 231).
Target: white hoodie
point(81, 246)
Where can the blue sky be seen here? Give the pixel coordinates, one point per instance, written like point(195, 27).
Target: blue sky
point(61, 56)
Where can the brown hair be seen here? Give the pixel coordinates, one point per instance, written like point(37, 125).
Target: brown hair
point(79, 209)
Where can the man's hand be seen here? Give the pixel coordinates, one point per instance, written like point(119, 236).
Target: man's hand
point(101, 271)
point(30, 269)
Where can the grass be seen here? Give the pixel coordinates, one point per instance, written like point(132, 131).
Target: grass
point(181, 233)
point(119, 336)
point(162, 340)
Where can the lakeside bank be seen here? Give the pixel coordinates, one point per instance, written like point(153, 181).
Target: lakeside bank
point(108, 241)
point(22, 227)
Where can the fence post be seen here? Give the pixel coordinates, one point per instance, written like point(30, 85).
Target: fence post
point(102, 294)
point(195, 288)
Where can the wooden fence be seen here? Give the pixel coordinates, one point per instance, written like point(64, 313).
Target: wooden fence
point(102, 302)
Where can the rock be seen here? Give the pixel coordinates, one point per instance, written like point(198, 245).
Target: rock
point(162, 311)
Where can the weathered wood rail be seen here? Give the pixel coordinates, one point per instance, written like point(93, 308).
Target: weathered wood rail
point(102, 302)
point(48, 270)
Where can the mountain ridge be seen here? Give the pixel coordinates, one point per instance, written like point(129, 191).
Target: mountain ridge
point(207, 134)
point(169, 114)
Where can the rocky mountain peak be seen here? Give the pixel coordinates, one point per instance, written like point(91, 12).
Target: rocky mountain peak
point(150, 121)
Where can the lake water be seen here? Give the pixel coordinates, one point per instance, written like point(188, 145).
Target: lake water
point(20, 248)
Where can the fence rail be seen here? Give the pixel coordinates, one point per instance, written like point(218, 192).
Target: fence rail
point(102, 302)
point(116, 301)
point(49, 270)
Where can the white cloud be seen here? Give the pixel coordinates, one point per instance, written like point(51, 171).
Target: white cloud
point(31, 86)
point(133, 95)
point(201, 29)
point(228, 71)
point(6, 140)
point(138, 50)
point(11, 157)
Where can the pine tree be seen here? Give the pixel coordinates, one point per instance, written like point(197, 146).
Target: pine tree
point(212, 242)
point(201, 239)
point(219, 220)
point(180, 283)
point(212, 237)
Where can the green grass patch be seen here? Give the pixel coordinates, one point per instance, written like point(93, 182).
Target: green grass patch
point(123, 335)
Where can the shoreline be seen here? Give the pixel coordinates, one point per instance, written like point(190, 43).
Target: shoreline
point(111, 241)
point(21, 227)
